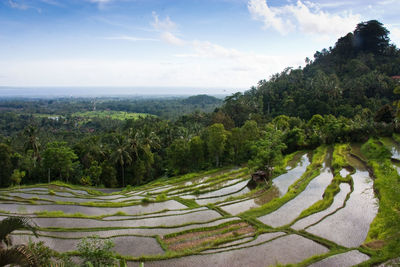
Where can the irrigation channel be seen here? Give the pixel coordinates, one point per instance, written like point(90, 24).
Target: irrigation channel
point(212, 218)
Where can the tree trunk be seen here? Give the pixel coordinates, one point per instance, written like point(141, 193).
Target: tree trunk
point(123, 176)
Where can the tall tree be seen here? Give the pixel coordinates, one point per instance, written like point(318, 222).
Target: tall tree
point(32, 142)
point(216, 141)
point(121, 155)
point(371, 37)
point(59, 159)
point(268, 151)
point(6, 165)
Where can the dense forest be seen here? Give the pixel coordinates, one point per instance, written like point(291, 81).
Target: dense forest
point(345, 93)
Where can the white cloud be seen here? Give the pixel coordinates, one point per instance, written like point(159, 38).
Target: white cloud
point(260, 11)
point(167, 29)
point(17, 5)
point(395, 35)
point(306, 17)
point(22, 6)
point(202, 64)
point(387, 2)
point(210, 50)
point(219, 65)
point(130, 38)
point(172, 39)
point(322, 23)
point(163, 25)
point(101, 3)
point(52, 2)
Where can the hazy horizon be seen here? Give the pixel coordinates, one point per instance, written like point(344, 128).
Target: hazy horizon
point(109, 91)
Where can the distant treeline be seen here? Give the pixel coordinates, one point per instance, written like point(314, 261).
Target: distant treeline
point(164, 107)
point(347, 93)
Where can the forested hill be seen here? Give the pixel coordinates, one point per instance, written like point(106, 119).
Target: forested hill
point(355, 74)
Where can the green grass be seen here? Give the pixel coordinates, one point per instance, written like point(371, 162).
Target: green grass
point(161, 197)
point(60, 213)
point(312, 171)
point(200, 229)
point(109, 114)
point(223, 213)
point(281, 168)
point(386, 225)
point(190, 203)
point(396, 137)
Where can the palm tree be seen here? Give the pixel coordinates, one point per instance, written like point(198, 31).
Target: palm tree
point(32, 142)
point(121, 154)
point(19, 254)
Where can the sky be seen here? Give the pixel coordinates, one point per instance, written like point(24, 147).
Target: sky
point(202, 46)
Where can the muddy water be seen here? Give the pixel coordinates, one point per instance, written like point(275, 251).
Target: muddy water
point(201, 216)
point(349, 226)
point(134, 231)
point(292, 209)
point(124, 245)
point(51, 197)
point(392, 146)
point(205, 201)
point(314, 218)
point(283, 181)
point(242, 206)
point(239, 243)
point(356, 150)
point(347, 259)
point(287, 249)
point(226, 191)
point(132, 210)
point(294, 161)
point(279, 187)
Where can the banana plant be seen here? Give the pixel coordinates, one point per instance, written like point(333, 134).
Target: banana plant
point(19, 254)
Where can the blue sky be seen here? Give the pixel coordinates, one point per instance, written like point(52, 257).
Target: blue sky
point(217, 46)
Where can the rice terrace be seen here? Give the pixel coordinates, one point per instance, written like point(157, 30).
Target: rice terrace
point(199, 133)
point(316, 212)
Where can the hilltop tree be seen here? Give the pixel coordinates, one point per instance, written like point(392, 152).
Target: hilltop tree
point(371, 37)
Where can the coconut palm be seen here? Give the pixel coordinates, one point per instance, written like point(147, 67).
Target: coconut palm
point(32, 142)
point(19, 254)
point(121, 155)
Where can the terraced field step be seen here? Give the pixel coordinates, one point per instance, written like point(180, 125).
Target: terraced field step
point(285, 250)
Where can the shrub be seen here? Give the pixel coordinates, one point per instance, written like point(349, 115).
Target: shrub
point(373, 150)
point(161, 197)
point(97, 251)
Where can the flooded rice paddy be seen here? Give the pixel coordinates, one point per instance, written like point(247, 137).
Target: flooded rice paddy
point(349, 226)
point(204, 204)
point(292, 209)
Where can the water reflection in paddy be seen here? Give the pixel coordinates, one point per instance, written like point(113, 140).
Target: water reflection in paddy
point(283, 181)
point(349, 226)
point(279, 187)
point(242, 206)
point(313, 192)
